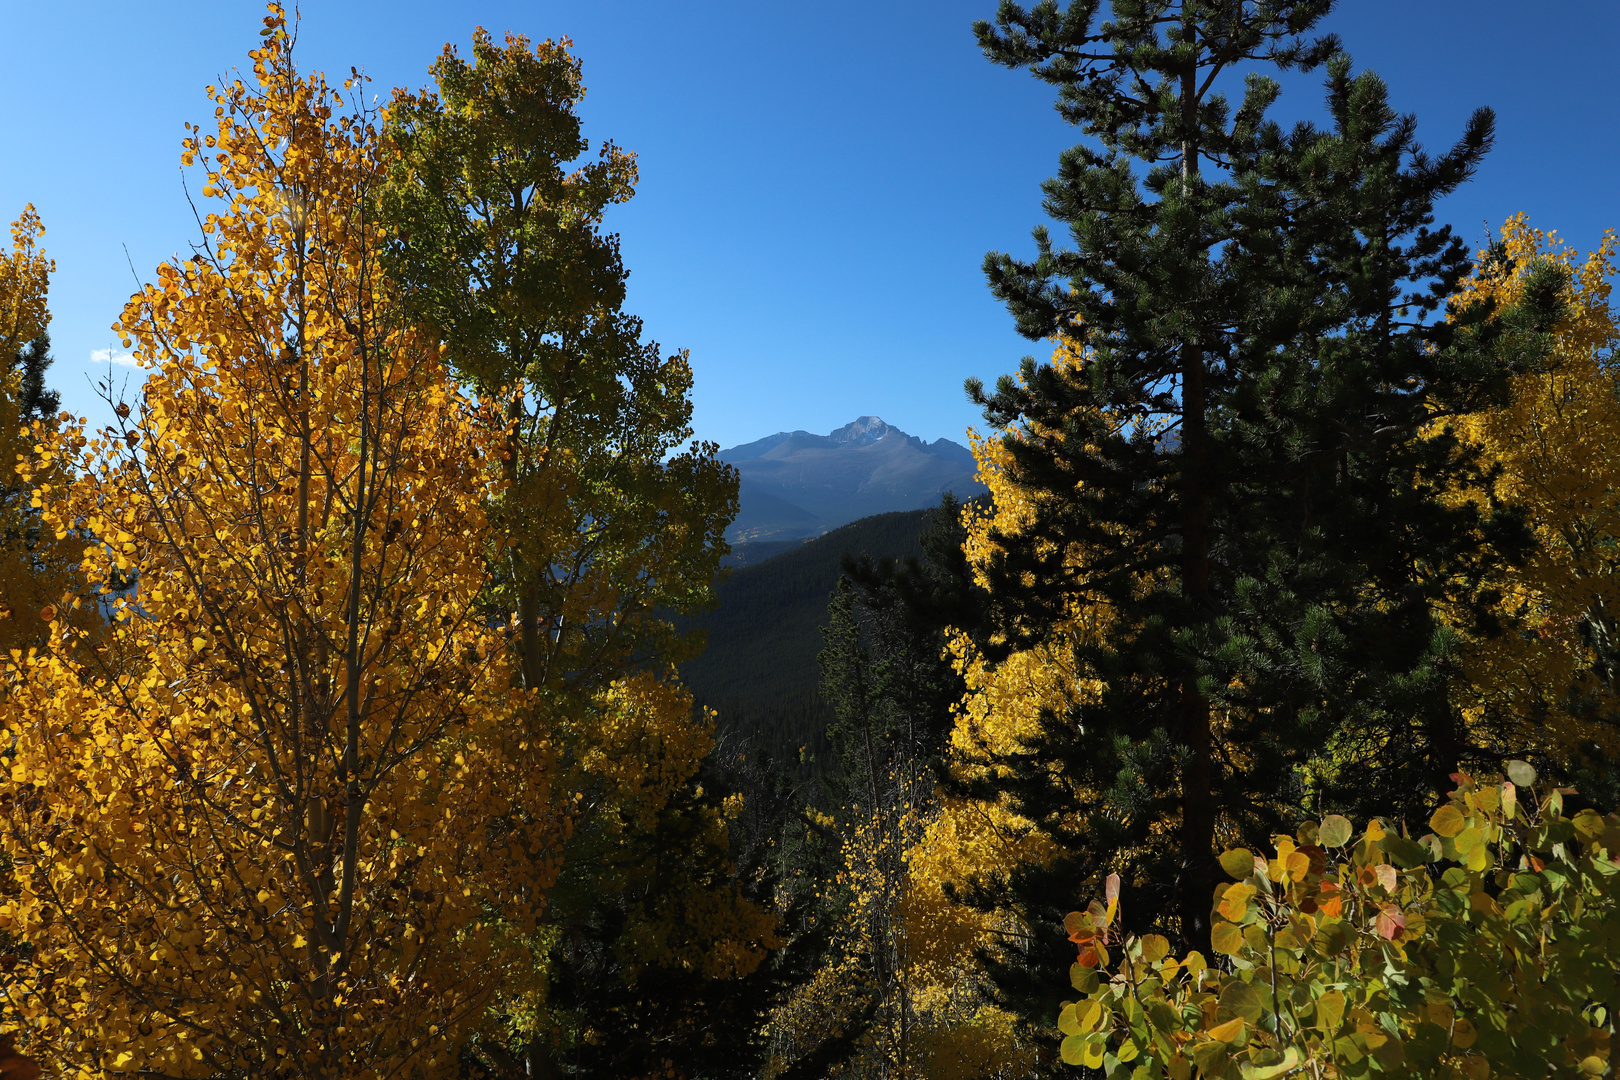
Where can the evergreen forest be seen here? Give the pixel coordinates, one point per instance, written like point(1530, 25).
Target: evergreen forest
point(380, 698)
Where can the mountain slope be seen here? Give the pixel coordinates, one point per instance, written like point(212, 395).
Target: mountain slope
point(759, 671)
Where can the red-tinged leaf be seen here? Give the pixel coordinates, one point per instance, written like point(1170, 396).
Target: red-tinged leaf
point(1385, 873)
point(1391, 922)
point(1330, 901)
point(1318, 858)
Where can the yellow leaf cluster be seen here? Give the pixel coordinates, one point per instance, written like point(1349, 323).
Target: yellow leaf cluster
point(1542, 684)
point(35, 565)
point(267, 824)
point(24, 279)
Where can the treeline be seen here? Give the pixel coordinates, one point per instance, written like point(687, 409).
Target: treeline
point(346, 734)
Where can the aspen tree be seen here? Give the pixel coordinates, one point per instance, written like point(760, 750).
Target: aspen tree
point(267, 828)
point(35, 567)
point(611, 520)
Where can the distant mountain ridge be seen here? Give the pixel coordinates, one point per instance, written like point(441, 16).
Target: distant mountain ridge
point(795, 484)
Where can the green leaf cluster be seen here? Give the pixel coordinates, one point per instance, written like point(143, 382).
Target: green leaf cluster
point(1489, 946)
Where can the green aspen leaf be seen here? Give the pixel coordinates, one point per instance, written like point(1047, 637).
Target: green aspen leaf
point(1239, 862)
point(1289, 1062)
point(1239, 999)
point(1521, 773)
point(1079, 1017)
point(1448, 821)
point(1589, 825)
point(1096, 1046)
point(1406, 853)
point(1210, 1057)
point(1082, 978)
point(1330, 1011)
point(1226, 938)
point(1335, 831)
point(1155, 947)
point(1073, 1050)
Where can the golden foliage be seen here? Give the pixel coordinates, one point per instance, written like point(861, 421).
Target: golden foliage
point(35, 568)
point(1541, 684)
point(609, 524)
point(24, 284)
point(268, 826)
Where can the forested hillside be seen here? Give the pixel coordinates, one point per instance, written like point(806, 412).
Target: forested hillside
point(759, 670)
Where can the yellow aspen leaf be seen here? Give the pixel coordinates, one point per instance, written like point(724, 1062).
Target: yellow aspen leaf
point(1226, 938)
point(1238, 862)
point(1447, 821)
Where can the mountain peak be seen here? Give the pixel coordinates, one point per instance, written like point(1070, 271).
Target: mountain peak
point(795, 484)
point(866, 429)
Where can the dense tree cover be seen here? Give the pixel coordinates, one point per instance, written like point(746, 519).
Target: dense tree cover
point(391, 660)
point(345, 730)
point(295, 779)
point(758, 667)
point(611, 527)
point(1547, 686)
point(1222, 580)
point(35, 566)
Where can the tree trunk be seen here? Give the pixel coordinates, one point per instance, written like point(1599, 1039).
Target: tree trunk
point(1197, 807)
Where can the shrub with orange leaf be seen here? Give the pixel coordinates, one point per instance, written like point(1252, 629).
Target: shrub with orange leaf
point(1485, 947)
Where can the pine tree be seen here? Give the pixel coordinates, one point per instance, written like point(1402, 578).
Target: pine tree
point(36, 400)
point(1242, 461)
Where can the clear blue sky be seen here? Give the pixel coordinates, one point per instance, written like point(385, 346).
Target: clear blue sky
point(819, 181)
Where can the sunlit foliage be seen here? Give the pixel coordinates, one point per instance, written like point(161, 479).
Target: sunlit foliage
point(265, 829)
point(1547, 683)
point(1483, 948)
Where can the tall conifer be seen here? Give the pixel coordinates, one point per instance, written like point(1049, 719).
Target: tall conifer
point(1245, 465)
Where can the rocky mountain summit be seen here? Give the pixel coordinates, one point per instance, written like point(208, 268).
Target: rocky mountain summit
point(797, 485)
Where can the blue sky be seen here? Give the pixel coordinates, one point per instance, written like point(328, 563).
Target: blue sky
point(819, 182)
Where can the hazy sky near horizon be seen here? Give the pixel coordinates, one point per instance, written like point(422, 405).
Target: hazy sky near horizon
point(819, 182)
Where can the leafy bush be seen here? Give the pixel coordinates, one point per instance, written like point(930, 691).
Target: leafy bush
point(1490, 946)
